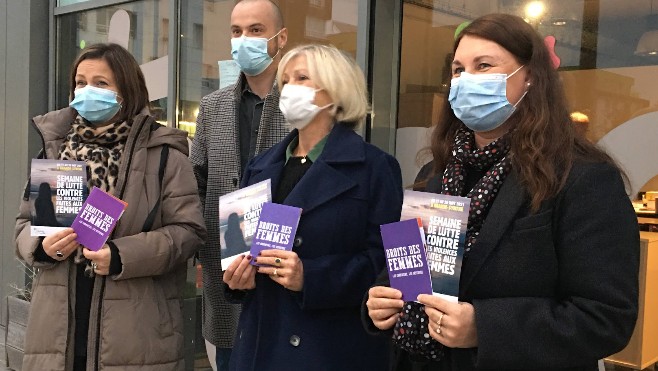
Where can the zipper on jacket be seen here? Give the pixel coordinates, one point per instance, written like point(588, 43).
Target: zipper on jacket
point(98, 325)
point(97, 349)
point(130, 157)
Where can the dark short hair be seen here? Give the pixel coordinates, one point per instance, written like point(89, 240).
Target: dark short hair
point(127, 74)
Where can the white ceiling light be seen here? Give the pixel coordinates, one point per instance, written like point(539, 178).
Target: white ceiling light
point(648, 44)
point(535, 9)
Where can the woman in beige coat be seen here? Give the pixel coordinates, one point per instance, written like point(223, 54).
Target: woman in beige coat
point(118, 308)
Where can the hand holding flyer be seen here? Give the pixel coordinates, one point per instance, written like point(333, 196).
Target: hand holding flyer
point(97, 218)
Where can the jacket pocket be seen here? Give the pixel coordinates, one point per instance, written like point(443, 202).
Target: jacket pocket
point(533, 221)
point(166, 322)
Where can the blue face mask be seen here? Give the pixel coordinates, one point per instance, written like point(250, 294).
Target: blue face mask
point(480, 101)
point(96, 105)
point(250, 53)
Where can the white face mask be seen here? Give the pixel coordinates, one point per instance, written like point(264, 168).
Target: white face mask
point(296, 104)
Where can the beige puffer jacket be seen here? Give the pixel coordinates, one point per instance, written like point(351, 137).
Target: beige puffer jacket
point(136, 316)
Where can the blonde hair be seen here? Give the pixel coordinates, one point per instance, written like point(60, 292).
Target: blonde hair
point(336, 73)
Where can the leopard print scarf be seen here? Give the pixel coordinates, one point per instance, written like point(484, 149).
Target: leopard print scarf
point(100, 147)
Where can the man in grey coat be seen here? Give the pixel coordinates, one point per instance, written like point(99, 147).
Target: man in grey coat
point(234, 124)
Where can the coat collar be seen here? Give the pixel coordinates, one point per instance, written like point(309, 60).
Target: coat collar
point(323, 181)
point(241, 84)
point(507, 204)
point(55, 124)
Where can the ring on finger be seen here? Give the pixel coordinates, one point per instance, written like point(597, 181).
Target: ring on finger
point(94, 265)
point(438, 329)
point(440, 318)
point(277, 262)
point(59, 254)
point(276, 274)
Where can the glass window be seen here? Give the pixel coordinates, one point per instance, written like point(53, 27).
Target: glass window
point(69, 2)
point(205, 40)
point(608, 64)
point(142, 26)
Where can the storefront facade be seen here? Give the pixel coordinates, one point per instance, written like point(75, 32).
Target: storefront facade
point(607, 52)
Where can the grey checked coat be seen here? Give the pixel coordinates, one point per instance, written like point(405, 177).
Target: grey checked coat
point(216, 159)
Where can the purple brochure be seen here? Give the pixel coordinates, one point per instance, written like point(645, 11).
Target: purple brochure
point(276, 228)
point(404, 244)
point(97, 218)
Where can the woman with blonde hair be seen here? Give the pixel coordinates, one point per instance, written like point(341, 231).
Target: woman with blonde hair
point(301, 310)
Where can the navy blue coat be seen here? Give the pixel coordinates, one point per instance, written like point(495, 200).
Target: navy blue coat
point(348, 192)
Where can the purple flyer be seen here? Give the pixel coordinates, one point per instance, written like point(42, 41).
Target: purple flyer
point(97, 218)
point(276, 228)
point(404, 244)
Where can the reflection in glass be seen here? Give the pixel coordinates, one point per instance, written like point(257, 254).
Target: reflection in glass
point(69, 2)
point(205, 41)
point(147, 40)
point(595, 47)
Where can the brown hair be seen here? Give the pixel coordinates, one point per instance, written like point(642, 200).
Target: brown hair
point(127, 74)
point(544, 144)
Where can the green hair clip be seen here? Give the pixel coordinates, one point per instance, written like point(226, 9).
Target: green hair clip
point(460, 28)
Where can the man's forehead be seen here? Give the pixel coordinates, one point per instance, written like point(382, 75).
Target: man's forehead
point(252, 13)
point(239, 24)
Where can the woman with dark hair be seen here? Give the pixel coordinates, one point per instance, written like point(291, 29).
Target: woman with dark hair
point(119, 307)
point(233, 237)
point(550, 270)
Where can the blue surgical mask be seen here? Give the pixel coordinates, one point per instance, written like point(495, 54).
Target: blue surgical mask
point(250, 53)
point(480, 101)
point(96, 105)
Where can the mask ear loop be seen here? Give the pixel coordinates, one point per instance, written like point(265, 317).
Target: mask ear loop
point(326, 105)
point(517, 102)
point(329, 105)
point(520, 99)
point(276, 34)
point(513, 73)
point(279, 49)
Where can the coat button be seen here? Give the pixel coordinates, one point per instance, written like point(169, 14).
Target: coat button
point(298, 241)
point(295, 340)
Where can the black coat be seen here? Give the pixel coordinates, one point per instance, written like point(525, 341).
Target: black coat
point(556, 289)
